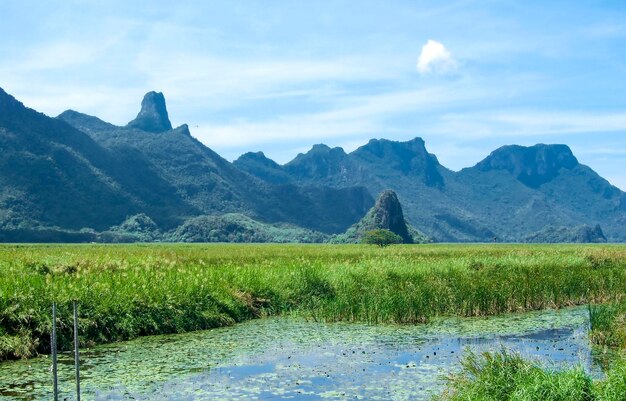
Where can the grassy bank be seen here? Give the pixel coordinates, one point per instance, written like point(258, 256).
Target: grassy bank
point(608, 322)
point(506, 376)
point(133, 290)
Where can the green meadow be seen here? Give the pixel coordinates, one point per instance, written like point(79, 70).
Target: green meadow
point(127, 291)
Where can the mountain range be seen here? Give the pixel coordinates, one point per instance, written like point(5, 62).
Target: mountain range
point(78, 178)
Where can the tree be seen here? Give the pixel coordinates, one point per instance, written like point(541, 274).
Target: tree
point(381, 238)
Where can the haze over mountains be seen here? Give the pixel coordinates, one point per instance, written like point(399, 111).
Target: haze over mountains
point(76, 172)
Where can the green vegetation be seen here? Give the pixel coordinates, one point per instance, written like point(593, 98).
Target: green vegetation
point(507, 376)
point(76, 178)
point(608, 324)
point(234, 227)
point(381, 238)
point(386, 215)
point(554, 235)
point(127, 291)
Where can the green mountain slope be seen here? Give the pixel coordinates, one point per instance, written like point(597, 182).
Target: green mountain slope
point(514, 192)
point(74, 177)
point(211, 184)
point(54, 175)
point(235, 227)
point(580, 234)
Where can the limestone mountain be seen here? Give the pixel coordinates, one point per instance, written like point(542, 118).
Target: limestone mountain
point(514, 192)
point(212, 185)
point(54, 175)
point(533, 166)
point(153, 115)
point(526, 189)
point(78, 172)
point(385, 214)
point(263, 167)
point(72, 177)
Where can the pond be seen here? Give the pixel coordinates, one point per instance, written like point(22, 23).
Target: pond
point(290, 358)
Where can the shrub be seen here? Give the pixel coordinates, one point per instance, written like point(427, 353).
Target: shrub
point(381, 238)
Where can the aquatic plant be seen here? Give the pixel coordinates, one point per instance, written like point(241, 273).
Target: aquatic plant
point(508, 376)
point(608, 325)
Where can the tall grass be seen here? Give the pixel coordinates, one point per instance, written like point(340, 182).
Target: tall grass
point(127, 291)
point(504, 376)
point(608, 325)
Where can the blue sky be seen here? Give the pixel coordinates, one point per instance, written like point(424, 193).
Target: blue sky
point(279, 76)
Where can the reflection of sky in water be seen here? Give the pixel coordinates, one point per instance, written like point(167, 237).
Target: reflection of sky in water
point(282, 358)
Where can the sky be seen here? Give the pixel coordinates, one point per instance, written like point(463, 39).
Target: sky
point(279, 76)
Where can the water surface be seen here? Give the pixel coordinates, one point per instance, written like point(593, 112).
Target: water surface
point(289, 358)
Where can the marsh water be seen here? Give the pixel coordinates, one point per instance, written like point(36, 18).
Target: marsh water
point(290, 358)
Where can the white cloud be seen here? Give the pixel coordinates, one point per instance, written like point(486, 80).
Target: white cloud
point(435, 58)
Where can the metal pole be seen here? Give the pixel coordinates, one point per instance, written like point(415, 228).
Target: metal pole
point(53, 344)
point(76, 361)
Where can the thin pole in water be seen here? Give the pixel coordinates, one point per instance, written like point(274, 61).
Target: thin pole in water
point(53, 344)
point(76, 361)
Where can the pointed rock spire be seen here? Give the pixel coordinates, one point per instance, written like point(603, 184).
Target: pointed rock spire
point(385, 214)
point(153, 115)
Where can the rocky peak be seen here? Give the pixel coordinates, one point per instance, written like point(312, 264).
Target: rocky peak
point(387, 214)
point(321, 161)
point(183, 129)
point(410, 157)
point(256, 157)
point(533, 165)
point(153, 116)
point(261, 166)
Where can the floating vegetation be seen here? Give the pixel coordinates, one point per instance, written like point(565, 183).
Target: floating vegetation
point(286, 357)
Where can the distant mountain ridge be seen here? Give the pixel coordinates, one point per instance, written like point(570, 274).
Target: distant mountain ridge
point(580, 234)
point(513, 192)
point(76, 174)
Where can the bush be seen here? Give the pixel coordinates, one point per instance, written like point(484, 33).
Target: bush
point(381, 238)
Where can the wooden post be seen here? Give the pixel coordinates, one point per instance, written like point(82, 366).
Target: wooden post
point(76, 361)
point(53, 345)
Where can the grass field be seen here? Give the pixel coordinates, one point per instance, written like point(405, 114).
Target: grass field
point(127, 291)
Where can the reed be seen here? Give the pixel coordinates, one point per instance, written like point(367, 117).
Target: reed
point(507, 376)
point(126, 291)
